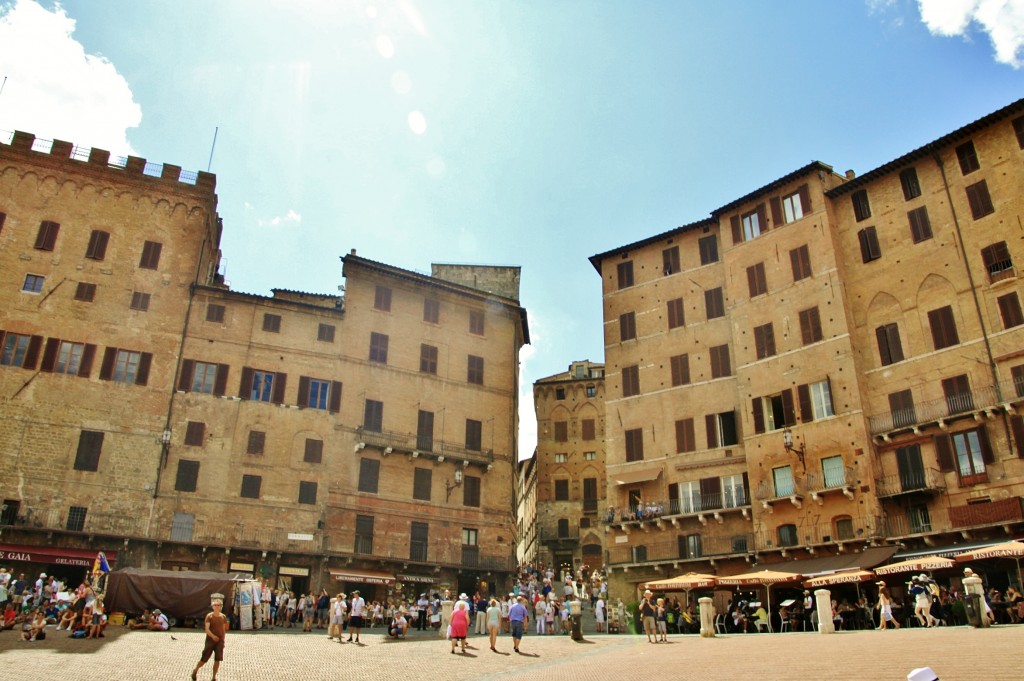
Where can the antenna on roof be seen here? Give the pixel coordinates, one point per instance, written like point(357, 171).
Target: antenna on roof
point(2, 85)
point(212, 147)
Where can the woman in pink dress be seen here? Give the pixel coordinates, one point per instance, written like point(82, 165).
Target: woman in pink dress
point(460, 624)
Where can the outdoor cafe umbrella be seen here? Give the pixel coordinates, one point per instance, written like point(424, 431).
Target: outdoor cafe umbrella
point(765, 578)
point(844, 577)
point(691, 580)
point(1010, 549)
point(925, 564)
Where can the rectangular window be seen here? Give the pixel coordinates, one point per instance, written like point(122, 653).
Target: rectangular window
point(810, 326)
point(126, 366)
point(382, 298)
point(920, 226)
point(890, 348)
point(204, 377)
point(589, 429)
point(76, 518)
point(720, 365)
point(262, 386)
point(957, 390)
point(821, 399)
point(997, 261)
point(800, 260)
point(46, 237)
point(670, 261)
point(590, 456)
point(425, 430)
point(257, 441)
point(471, 491)
point(195, 433)
point(627, 326)
point(1009, 310)
point(752, 224)
point(971, 453)
point(431, 310)
point(421, 483)
point(782, 477)
point(561, 431)
point(756, 281)
point(861, 205)
point(624, 270)
point(272, 323)
point(369, 475)
point(428, 359)
point(85, 292)
point(183, 526)
point(378, 347)
point(373, 416)
point(20, 350)
point(675, 313)
point(476, 322)
point(325, 333)
point(967, 155)
point(97, 248)
point(908, 180)
point(686, 441)
point(869, 248)
point(561, 458)
point(364, 535)
point(1017, 374)
point(680, 368)
point(979, 200)
point(251, 486)
point(69, 358)
point(734, 491)
point(307, 492)
point(215, 313)
point(140, 301)
point(634, 444)
point(475, 370)
point(773, 412)
point(418, 541)
point(150, 255)
point(764, 340)
point(561, 490)
point(792, 208)
point(714, 303)
point(474, 435)
point(943, 327)
point(90, 444)
point(187, 477)
point(901, 406)
point(708, 246)
point(33, 283)
point(689, 497)
point(630, 381)
point(319, 395)
point(314, 451)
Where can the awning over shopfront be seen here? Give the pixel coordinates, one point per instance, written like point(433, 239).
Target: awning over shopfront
point(52, 555)
point(948, 551)
point(863, 560)
point(362, 576)
point(628, 477)
point(415, 579)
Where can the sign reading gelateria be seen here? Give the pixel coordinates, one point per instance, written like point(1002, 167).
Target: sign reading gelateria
point(51, 555)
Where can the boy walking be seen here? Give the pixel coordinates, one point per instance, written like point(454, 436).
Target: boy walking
point(216, 626)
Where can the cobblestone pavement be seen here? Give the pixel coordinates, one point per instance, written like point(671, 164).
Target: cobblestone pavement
point(955, 653)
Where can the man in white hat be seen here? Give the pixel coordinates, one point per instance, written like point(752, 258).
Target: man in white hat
point(647, 611)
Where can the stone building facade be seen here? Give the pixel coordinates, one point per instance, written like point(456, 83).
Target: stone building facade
point(829, 365)
point(570, 466)
point(365, 439)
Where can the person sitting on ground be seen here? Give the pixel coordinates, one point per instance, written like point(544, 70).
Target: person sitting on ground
point(399, 625)
point(67, 619)
point(159, 621)
point(35, 629)
point(142, 622)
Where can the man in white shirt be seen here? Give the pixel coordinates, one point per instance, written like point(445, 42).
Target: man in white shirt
point(398, 626)
point(421, 606)
point(338, 609)
point(158, 621)
point(355, 623)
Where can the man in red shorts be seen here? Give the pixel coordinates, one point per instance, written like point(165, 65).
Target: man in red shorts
point(216, 626)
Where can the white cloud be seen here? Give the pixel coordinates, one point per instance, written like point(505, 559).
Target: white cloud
point(54, 89)
point(289, 218)
point(1003, 20)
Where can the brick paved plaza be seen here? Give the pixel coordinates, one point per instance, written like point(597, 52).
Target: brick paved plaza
point(954, 653)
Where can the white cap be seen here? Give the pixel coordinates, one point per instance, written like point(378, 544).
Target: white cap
point(922, 674)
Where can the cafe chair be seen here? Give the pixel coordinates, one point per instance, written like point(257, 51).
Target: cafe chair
point(720, 624)
point(763, 625)
point(784, 627)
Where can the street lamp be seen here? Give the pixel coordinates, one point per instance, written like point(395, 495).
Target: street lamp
point(787, 442)
point(449, 486)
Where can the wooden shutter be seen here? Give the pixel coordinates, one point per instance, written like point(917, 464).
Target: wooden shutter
point(107, 367)
point(50, 354)
point(805, 198)
point(303, 399)
point(335, 401)
point(245, 388)
point(803, 393)
point(737, 236)
point(1017, 427)
point(280, 381)
point(710, 426)
point(35, 343)
point(762, 217)
point(757, 410)
point(987, 455)
point(788, 411)
point(220, 383)
point(145, 361)
point(710, 493)
point(85, 366)
point(882, 336)
point(188, 368)
point(944, 452)
point(777, 216)
point(588, 429)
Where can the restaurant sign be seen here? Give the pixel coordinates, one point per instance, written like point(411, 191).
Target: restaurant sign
point(50, 555)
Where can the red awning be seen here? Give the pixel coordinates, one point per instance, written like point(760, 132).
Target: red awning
point(362, 576)
point(52, 555)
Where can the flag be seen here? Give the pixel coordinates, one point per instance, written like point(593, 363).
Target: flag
point(100, 564)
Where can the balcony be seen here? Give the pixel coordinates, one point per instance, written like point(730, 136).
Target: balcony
point(980, 402)
point(839, 481)
point(1004, 511)
point(838, 532)
point(674, 552)
point(662, 513)
point(569, 538)
point(926, 482)
point(407, 443)
point(768, 494)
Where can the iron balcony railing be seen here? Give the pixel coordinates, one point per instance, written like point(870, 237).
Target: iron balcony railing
point(930, 411)
point(410, 443)
point(925, 480)
point(693, 504)
point(840, 478)
point(682, 549)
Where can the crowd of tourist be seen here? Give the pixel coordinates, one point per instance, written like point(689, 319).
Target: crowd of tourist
point(30, 606)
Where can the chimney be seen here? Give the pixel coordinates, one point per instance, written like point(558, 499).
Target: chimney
point(850, 174)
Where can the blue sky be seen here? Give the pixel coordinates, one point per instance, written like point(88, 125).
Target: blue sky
point(531, 133)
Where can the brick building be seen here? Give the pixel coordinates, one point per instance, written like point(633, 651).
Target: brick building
point(317, 440)
point(828, 369)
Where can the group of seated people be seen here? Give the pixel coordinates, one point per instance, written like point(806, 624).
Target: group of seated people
point(640, 511)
